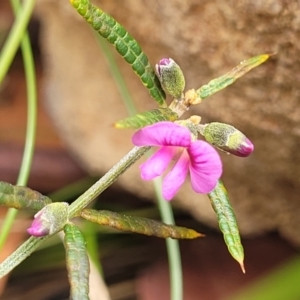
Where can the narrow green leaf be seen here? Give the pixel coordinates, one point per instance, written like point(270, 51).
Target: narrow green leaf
point(222, 82)
point(138, 225)
point(227, 222)
point(77, 262)
point(147, 118)
point(21, 197)
point(124, 43)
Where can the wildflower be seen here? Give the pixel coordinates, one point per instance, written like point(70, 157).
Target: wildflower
point(49, 219)
point(175, 142)
point(227, 138)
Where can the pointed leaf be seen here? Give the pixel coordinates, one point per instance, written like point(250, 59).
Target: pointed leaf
point(147, 118)
point(21, 197)
point(227, 222)
point(222, 82)
point(138, 225)
point(77, 262)
point(124, 43)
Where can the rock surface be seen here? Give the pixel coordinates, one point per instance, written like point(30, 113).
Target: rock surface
point(207, 39)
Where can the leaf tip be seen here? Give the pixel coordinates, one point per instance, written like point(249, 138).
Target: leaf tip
point(117, 125)
point(200, 235)
point(195, 234)
point(242, 266)
point(264, 57)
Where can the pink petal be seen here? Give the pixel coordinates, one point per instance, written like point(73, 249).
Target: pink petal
point(157, 163)
point(162, 134)
point(37, 228)
point(176, 177)
point(205, 167)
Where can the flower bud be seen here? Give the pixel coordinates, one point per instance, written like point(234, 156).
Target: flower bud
point(49, 219)
point(171, 77)
point(227, 138)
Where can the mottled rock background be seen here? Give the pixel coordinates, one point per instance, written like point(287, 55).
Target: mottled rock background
point(207, 39)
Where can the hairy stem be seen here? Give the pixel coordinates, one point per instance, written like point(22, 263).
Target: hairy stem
point(105, 181)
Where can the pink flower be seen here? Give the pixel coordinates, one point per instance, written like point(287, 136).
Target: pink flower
point(50, 219)
point(175, 142)
point(40, 225)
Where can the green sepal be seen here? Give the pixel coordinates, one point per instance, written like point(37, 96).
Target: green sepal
point(77, 262)
point(227, 222)
point(147, 118)
point(21, 197)
point(124, 43)
point(222, 82)
point(138, 224)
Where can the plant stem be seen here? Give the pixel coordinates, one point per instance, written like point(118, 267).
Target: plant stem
point(16, 34)
point(117, 76)
point(31, 122)
point(175, 267)
point(20, 254)
point(105, 181)
point(81, 202)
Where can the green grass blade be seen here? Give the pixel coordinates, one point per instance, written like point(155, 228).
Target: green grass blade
point(5, 60)
point(173, 250)
point(16, 34)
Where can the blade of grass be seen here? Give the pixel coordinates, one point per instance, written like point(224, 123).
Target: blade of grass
point(16, 34)
point(173, 250)
point(117, 76)
point(31, 121)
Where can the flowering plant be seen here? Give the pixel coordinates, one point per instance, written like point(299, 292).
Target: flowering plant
point(179, 148)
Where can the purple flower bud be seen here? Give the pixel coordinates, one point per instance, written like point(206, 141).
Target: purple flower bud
point(227, 138)
point(49, 220)
point(39, 226)
point(245, 148)
point(171, 77)
point(162, 62)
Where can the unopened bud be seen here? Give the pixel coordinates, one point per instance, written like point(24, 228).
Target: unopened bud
point(171, 77)
point(227, 138)
point(49, 219)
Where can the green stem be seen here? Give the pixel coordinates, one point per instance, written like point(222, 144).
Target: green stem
point(16, 34)
point(175, 271)
point(81, 202)
point(90, 234)
point(20, 254)
point(31, 121)
point(72, 190)
point(105, 181)
point(117, 76)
